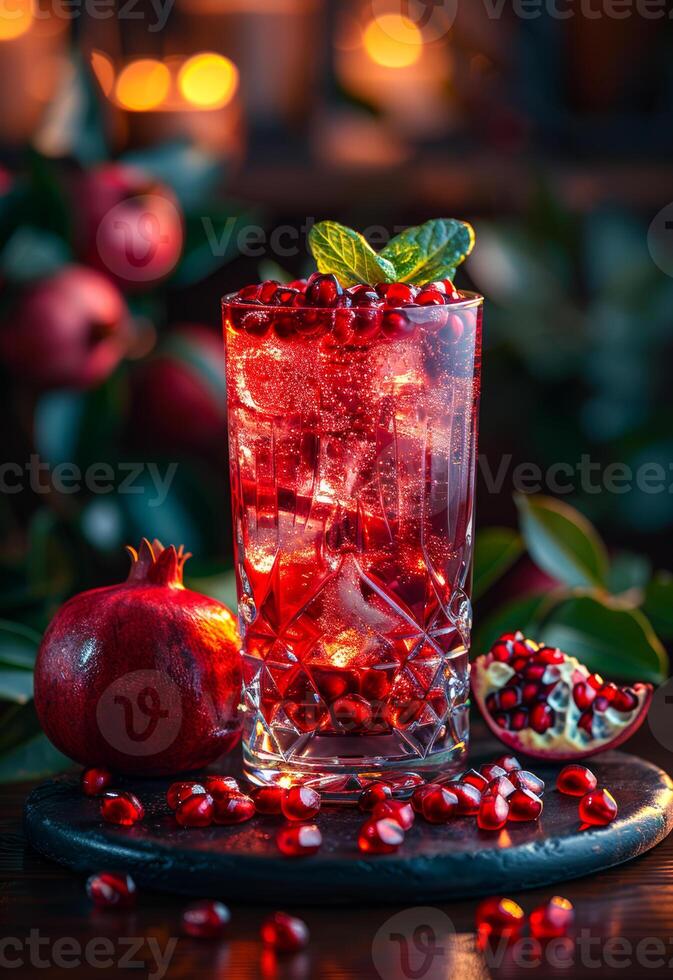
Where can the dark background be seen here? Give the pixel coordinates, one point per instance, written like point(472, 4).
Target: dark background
point(552, 136)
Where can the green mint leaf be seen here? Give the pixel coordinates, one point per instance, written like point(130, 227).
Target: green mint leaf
point(430, 251)
point(347, 255)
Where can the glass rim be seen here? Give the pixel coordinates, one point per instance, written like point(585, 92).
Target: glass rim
point(472, 300)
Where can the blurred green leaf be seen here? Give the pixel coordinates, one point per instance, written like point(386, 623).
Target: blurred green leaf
point(18, 645)
point(33, 759)
point(211, 241)
point(658, 605)
point(16, 685)
point(193, 173)
point(32, 253)
point(221, 587)
point(496, 550)
point(607, 638)
point(268, 269)
point(562, 542)
point(627, 572)
point(18, 724)
point(520, 614)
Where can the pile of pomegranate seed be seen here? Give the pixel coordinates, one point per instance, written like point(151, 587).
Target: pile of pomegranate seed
point(215, 799)
point(123, 809)
point(284, 933)
point(503, 917)
point(195, 811)
point(95, 781)
point(110, 890)
point(357, 312)
point(206, 920)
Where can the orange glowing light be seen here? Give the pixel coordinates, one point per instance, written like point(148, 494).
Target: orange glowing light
point(16, 18)
point(393, 41)
point(208, 80)
point(143, 85)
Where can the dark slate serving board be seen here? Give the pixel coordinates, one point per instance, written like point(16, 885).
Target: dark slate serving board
point(435, 863)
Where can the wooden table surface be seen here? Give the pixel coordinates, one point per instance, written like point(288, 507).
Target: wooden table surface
point(624, 926)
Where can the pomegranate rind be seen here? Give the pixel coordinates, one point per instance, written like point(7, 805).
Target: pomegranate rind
point(564, 740)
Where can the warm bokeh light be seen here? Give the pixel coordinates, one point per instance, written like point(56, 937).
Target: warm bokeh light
point(143, 84)
point(393, 41)
point(16, 17)
point(104, 71)
point(208, 80)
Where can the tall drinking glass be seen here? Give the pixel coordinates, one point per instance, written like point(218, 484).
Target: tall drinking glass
point(352, 441)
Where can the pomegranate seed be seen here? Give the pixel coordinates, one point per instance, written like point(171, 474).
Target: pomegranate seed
point(530, 692)
point(300, 803)
point(352, 713)
point(419, 795)
point(397, 810)
point(553, 919)
point(609, 691)
point(502, 721)
point(298, 840)
point(219, 786)
point(598, 807)
point(299, 284)
point(95, 781)
point(285, 296)
point(510, 697)
point(534, 672)
point(501, 651)
point(284, 933)
point(267, 290)
point(548, 655)
point(519, 663)
point(491, 771)
point(469, 799)
point(205, 920)
point(575, 780)
point(502, 786)
point(586, 722)
point(268, 799)
point(256, 323)
point(396, 324)
point(399, 293)
point(508, 762)
point(474, 778)
point(438, 284)
point(601, 704)
point(595, 681)
point(524, 805)
point(177, 792)
point(109, 890)
point(380, 836)
point(541, 717)
point(430, 297)
point(625, 699)
point(523, 779)
point(323, 290)
point(375, 684)
point(450, 289)
point(248, 293)
point(195, 811)
point(519, 720)
point(233, 809)
point(439, 805)
point(364, 295)
point(124, 809)
point(373, 794)
point(583, 695)
point(493, 812)
point(499, 917)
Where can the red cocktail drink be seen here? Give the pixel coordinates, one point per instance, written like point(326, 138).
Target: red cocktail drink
point(352, 448)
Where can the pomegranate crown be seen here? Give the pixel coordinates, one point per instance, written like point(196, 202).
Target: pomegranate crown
point(152, 563)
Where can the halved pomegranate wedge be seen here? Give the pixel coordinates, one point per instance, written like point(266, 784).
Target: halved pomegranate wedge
point(540, 701)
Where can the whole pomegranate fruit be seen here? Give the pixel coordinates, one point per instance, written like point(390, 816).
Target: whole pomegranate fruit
point(190, 365)
point(68, 331)
point(142, 677)
point(130, 225)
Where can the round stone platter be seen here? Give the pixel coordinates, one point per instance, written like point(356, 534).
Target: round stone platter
point(435, 863)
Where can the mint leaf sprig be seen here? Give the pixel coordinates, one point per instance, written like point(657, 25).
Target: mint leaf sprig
point(419, 255)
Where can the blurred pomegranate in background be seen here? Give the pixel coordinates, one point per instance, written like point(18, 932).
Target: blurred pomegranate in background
point(178, 393)
point(141, 677)
point(68, 331)
point(128, 225)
